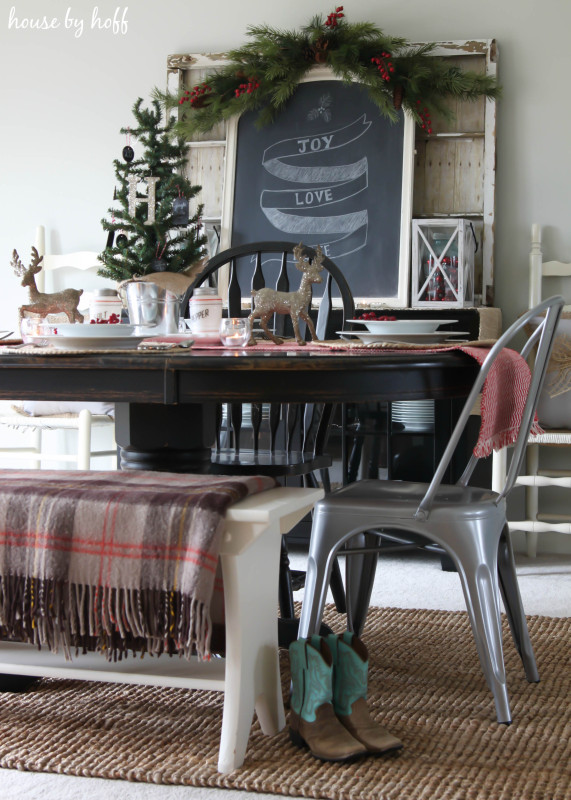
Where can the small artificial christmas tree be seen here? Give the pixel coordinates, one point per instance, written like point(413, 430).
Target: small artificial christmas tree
point(152, 232)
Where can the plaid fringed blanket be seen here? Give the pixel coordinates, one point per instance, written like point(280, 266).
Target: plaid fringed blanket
point(114, 561)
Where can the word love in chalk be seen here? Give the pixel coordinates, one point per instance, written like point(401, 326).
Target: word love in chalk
point(313, 197)
point(117, 24)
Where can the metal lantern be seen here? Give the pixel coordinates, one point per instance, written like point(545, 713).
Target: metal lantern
point(443, 263)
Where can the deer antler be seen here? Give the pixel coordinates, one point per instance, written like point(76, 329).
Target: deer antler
point(303, 261)
point(318, 260)
point(36, 262)
point(20, 269)
point(299, 258)
point(17, 265)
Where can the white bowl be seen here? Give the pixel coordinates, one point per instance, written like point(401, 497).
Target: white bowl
point(398, 326)
point(78, 330)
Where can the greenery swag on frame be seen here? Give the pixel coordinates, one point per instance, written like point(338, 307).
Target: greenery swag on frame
point(263, 74)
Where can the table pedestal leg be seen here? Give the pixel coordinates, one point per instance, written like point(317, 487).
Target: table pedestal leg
point(175, 438)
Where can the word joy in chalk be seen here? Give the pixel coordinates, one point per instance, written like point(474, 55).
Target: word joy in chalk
point(314, 144)
point(116, 24)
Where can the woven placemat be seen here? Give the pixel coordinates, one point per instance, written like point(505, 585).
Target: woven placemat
point(425, 685)
point(287, 345)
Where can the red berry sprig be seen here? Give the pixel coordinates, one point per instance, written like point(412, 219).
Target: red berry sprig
point(384, 66)
point(196, 97)
point(331, 21)
point(374, 316)
point(247, 88)
point(113, 320)
point(424, 114)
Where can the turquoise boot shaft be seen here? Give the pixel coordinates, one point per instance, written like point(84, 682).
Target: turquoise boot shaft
point(350, 671)
point(311, 667)
point(312, 721)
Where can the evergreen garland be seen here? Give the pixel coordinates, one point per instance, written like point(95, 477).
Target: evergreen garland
point(163, 158)
point(264, 73)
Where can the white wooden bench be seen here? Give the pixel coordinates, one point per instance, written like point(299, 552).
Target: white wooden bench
point(249, 673)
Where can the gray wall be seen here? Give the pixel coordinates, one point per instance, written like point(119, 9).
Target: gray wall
point(64, 98)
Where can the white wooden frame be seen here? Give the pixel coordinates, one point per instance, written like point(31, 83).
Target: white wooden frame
point(184, 69)
point(485, 217)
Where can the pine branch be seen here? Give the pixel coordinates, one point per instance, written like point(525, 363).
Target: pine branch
point(274, 61)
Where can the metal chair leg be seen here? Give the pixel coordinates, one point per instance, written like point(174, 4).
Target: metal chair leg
point(285, 590)
point(360, 570)
point(478, 571)
point(514, 608)
point(337, 588)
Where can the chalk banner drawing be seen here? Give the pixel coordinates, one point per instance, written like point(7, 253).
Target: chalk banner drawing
point(329, 171)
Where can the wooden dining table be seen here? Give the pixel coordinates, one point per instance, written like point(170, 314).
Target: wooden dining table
point(165, 400)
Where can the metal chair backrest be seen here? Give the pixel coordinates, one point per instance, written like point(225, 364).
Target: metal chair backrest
point(543, 336)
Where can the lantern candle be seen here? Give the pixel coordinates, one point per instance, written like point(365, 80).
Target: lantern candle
point(443, 253)
point(235, 332)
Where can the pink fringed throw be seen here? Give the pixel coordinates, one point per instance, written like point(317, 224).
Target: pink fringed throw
point(114, 561)
point(503, 399)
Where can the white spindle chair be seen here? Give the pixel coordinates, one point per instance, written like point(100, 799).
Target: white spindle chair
point(78, 270)
point(537, 520)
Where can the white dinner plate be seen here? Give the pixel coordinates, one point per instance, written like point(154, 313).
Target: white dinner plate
point(436, 337)
point(93, 342)
point(403, 325)
point(87, 331)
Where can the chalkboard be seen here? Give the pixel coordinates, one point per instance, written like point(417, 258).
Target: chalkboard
point(330, 171)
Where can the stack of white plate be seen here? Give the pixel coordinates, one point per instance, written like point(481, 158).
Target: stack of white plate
point(409, 331)
point(77, 336)
point(417, 416)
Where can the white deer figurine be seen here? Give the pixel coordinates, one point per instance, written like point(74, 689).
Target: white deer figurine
point(42, 304)
point(296, 304)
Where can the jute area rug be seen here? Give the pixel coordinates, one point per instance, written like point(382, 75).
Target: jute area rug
point(425, 684)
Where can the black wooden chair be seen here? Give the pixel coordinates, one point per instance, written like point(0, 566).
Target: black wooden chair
point(287, 441)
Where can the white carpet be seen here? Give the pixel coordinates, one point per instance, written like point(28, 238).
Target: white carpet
point(414, 580)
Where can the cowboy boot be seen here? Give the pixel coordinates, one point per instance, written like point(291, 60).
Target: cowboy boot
point(312, 719)
point(350, 665)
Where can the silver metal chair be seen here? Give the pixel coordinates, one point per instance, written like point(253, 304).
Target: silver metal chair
point(468, 523)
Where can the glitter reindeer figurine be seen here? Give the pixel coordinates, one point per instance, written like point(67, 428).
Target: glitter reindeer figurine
point(296, 304)
point(40, 303)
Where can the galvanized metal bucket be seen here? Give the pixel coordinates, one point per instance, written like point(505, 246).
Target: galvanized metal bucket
point(152, 309)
